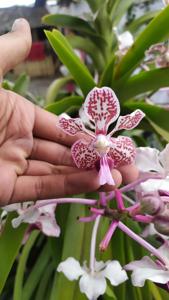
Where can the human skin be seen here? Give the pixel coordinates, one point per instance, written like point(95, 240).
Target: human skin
point(35, 157)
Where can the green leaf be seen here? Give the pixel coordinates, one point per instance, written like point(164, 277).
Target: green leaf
point(10, 243)
point(43, 285)
point(36, 273)
point(121, 9)
point(72, 22)
point(135, 25)
point(155, 291)
point(65, 104)
point(157, 116)
point(107, 74)
point(73, 246)
point(156, 31)
point(144, 82)
point(21, 84)
point(66, 54)
point(55, 88)
point(89, 47)
point(22, 266)
point(94, 4)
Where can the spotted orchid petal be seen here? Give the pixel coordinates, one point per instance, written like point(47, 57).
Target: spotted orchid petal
point(122, 151)
point(71, 126)
point(129, 121)
point(84, 155)
point(102, 107)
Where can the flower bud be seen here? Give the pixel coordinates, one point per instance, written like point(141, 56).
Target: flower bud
point(151, 203)
point(161, 221)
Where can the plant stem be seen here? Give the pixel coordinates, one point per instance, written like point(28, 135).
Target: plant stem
point(141, 241)
point(93, 244)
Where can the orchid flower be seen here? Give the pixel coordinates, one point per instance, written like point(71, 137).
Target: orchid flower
point(148, 269)
point(42, 217)
point(161, 97)
point(93, 279)
point(150, 159)
point(93, 284)
point(158, 54)
point(102, 109)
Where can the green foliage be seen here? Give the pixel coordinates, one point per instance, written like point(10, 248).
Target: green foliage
point(70, 59)
point(65, 104)
point(10, 243)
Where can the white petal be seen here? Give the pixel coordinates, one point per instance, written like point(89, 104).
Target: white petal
point(12, 207)
point(147, 159)
point(125, 40)
point(47, 209)
point(164, 251)
point(92, 286)
point(49, 226)
point(155, 184)
point(71, 268)
point(164, 158)
point(147, 269)
point(17, 221)
point(31, 215)
point(114, 273)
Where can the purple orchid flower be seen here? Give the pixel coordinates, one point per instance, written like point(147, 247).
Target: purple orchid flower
point(102, 108)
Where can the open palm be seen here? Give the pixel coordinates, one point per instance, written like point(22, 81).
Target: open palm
point(35, 154)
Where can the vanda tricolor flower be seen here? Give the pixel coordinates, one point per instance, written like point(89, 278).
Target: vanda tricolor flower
point(102, 108)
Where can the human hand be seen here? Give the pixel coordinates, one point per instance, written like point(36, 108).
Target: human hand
point(35, 157)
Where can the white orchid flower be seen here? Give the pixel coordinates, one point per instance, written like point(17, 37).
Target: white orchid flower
point(42, 217)
point(150, 159)
point(93, 284)
point(147, 269)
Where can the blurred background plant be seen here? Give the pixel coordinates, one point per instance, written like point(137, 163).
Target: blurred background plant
point(103, 43)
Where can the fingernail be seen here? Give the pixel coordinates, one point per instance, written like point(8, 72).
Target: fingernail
point(17, 24)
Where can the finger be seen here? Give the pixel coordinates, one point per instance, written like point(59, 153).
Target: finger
point(51, 152)
point(46, 127)
point(40, 168)
point(30, 188)
point(129, 173)
point(15, 45)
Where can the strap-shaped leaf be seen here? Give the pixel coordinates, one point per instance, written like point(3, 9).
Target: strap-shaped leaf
point(10, 242)
point(135, 25)
point(156, 31)
point(67, 56)
point(89, 47)
point(144, 82)
point(55, 87)
point(157, 116)
point(72, 22)
point(72, 247)
point(63, 105)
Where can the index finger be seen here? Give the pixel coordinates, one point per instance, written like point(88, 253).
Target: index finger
point(46, 127)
